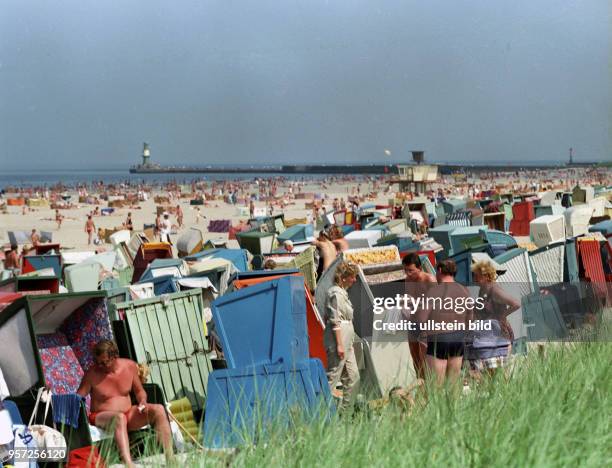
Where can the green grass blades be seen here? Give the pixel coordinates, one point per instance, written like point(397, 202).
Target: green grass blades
point(553, 411)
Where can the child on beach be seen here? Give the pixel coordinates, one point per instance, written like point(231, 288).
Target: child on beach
point(99, 237)
point(199, 215)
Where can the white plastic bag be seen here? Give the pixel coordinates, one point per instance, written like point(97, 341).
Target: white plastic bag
point(46, 437)
point(177, 435)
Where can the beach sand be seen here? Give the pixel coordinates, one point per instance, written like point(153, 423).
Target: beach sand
point(72, 234)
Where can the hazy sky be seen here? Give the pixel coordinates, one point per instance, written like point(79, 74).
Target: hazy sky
point(83, 83)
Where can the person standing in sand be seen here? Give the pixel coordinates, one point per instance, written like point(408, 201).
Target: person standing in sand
point(99, 240)
point(337, 237)
point(445, 328)
point(90, 227)
point(166, 228)
point(199, 216)
point(417, 284)
point(58, 219)
point(179, 215)
point(488, 351)
point(327, 252)
point(158, 225)
point(340, 334)
point(129, 224)
point(109, 382)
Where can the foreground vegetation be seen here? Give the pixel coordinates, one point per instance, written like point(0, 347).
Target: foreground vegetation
point(555, 410)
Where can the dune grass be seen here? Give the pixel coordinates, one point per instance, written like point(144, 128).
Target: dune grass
point(555, 410)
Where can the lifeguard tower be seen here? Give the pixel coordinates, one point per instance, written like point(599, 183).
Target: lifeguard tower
point(415, 177)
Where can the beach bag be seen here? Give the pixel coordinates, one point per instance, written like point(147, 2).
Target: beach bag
point(46, 437)
point(24, 441)
point(177, 437)
point(85, 457)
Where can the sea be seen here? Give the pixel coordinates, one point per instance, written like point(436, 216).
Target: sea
point(73, 178)
point(70, 178)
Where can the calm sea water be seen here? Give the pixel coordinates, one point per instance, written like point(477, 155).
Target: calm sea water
point(72, 178)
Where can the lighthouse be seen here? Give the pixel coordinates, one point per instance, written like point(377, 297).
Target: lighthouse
point(146, 154)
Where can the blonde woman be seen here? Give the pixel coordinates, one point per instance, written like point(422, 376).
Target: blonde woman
point(489, 350)
point(340, 333)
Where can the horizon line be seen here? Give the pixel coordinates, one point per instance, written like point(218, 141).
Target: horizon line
point(352, 163)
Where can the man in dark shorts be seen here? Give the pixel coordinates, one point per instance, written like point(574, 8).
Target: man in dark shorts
point(444, 321)
point(418, 283)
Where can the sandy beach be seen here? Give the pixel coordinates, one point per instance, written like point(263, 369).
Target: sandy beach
point(72, 233)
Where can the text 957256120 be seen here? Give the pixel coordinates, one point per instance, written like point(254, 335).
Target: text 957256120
point(52, 454)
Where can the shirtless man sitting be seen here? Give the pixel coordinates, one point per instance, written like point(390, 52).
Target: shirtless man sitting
point(110, 381)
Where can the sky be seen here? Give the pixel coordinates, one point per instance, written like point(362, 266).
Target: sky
point(84, 83)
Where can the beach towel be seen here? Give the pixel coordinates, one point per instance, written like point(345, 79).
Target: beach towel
point(66, 409)
point(219, 225)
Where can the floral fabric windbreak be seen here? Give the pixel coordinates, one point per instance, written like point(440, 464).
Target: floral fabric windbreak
point(67, 353)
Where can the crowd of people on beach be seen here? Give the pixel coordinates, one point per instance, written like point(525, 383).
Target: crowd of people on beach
point(436, 353)
point(441, 353)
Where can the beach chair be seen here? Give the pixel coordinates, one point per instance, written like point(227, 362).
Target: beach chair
point(256, 242)
point(543, 318)
point(547, 263)
point(146, 254)
point(238, 257)
point(84, 436)
point(547, 229)
point(577, 220)
point(49, 284)
point(190, 242)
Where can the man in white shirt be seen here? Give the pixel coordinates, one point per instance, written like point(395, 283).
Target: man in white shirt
point(166, 227)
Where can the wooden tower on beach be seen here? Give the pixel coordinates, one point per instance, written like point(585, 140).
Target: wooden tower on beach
point(415, 177)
